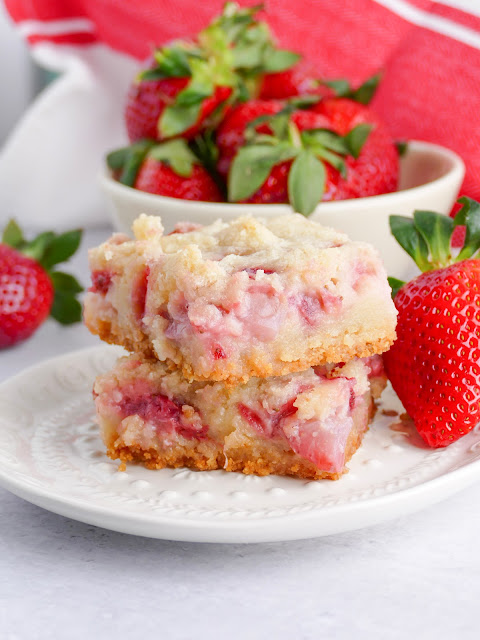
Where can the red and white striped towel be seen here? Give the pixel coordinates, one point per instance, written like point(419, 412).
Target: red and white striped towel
point(429, 51)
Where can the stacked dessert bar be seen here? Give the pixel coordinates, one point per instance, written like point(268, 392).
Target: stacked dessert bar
point(254, 345)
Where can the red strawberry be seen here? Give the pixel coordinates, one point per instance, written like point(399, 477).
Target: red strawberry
point(190, 83)
point(305, 156)
point(275, 188)
point(29, 290)
point(231, 132)
point(147, 100)
point(375, 171)
point(296, 81)
point(302, 79)
point(168, 169)
point(434, 365)
point(157, 177)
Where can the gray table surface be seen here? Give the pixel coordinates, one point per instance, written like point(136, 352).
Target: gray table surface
point(415, 577)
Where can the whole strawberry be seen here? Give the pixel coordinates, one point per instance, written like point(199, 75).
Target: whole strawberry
point(29, 289)
point(301, 79)
point(190, 83)
point(169, 169)
point(296, 81)
point(434, 364)
point(230, 134)
point(303, 156)
point(375, 171)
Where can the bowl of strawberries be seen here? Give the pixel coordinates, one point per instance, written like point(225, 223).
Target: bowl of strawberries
point(228, 123)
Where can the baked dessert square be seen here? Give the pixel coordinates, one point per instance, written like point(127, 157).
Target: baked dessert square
point(249, 298)
point(306, 424)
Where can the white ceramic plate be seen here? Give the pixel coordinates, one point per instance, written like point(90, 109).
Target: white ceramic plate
point(51, 455)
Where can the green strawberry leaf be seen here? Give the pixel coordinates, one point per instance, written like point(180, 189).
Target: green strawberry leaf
point(251, 167)
point(332, 158)
point(194, 94)
point(367, 90)
point(200, 86)
point(36, 248)
point(356, 138)
point(206, 151)
point(404, 231)
point(172, 61)
point(248, 55)
point(340, 87)
point(65, 282)
point(61, 248)
point(325, 138)
point(150, 74)
point(66, 309)
point(436, 230)
point(116, 159)
point(235, 21)
point(279, 124)
point(469, 216)
point(302, 102)
point(177, 119)
point(13, 235)
point(279, 60)
point(306, 182)
point(131, 168)
point(177, 154)
point(205, 148)
point(128, 160)
point(363, 94)
point(395, 286)
point(402, 147)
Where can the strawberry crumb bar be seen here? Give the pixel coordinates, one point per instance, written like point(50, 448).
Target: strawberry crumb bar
point(306, 424)
point(247, 298)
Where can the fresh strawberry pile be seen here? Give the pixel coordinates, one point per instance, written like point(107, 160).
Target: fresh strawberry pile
point(229, 116)
point(31, 288)
point(434, 364)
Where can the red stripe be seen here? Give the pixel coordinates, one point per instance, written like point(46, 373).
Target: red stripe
point(430, 91)
point(45, 9)
point(456, 15)
point(81, 38)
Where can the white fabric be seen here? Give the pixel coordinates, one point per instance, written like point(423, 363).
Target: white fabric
point(50, 163)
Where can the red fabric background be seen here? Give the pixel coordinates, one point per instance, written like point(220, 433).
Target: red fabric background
point(431, 86)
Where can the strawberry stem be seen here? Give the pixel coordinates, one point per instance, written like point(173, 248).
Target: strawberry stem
point(49, 249)
point(427, 237)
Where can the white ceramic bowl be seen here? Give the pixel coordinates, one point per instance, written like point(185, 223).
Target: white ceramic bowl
point(430, 177)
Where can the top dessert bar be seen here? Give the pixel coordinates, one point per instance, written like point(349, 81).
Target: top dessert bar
point(247, 298)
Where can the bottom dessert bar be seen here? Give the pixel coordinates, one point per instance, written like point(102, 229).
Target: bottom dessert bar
point(306, 424)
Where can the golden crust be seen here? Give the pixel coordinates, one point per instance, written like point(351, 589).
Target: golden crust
point(251, 457)
point(258, 369)
point(186, 297)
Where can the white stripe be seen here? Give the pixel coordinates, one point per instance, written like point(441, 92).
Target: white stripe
point(434, 23)
point(468, 6)
point(55, 27)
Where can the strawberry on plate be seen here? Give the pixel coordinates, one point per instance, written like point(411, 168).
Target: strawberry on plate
point(190, 83)
point(168, 169)
point(434, 364)
point(30, 287)
point(303, 156)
